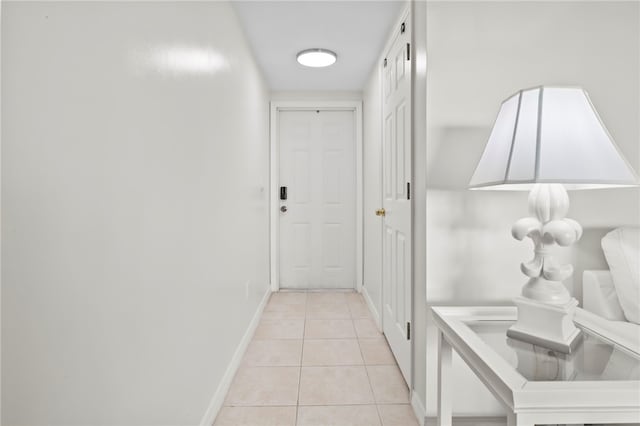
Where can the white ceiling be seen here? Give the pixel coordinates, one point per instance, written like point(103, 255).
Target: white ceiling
point(355, 30)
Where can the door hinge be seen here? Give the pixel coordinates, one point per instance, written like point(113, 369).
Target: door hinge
point(408, 51)
point(408, 331)
point(408, 190)
point(402, 28)
point(384, 64)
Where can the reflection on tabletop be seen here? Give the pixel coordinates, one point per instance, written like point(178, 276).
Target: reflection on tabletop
point(594, 359)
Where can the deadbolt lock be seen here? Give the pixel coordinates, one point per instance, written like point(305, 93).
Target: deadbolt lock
point(380, 212)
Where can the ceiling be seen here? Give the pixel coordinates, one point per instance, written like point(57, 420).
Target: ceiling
point(355, 30)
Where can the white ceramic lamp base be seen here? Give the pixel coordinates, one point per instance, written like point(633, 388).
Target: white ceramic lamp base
point(545, 309)
point(549, 326)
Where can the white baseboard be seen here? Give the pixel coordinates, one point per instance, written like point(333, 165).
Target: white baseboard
point(218, 398)
point(418, 408)
point(372, 308)
point(470, 421)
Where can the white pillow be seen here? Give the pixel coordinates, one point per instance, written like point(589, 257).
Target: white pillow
point(622, 251)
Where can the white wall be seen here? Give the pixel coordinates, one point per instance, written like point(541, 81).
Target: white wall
point(135, 214)
point(420, 309)
point(372, 192)
point(314, 95)
point(479, 53)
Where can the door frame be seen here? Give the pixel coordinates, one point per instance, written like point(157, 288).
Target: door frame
point(274, 173)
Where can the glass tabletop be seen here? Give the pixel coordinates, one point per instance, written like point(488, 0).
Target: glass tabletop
point(594, 359)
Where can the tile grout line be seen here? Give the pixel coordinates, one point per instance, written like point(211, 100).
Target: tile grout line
point(370, 385)
point(304, 332)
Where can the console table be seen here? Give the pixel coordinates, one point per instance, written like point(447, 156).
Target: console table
point(598, 383)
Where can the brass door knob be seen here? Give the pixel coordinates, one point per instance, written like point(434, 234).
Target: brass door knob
point(380, 212)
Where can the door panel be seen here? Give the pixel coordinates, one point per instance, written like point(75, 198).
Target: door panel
point(317, 232)
point(396, 201)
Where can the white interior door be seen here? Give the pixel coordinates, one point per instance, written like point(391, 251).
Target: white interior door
point(318, 218)
point(396, 165)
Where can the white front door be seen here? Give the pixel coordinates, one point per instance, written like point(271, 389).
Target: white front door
point(396, 164)
point(318, 218)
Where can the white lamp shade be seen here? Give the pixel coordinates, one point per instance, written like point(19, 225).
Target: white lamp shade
point(550, 135)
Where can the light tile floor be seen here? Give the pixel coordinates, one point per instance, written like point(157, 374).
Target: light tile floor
point(317, 359)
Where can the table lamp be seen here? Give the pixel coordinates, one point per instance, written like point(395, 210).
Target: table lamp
point(549, 140)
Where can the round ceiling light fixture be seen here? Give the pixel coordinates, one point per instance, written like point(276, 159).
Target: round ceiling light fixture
point(316, 58)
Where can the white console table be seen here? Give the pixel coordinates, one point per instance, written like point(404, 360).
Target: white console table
point(598, 383)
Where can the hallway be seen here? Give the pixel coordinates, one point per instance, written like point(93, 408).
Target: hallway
point(317, 359)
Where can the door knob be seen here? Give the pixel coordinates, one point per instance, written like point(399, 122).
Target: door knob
point(380, 212)
point(283, 209)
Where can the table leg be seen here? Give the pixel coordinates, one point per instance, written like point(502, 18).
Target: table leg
point(444, 381)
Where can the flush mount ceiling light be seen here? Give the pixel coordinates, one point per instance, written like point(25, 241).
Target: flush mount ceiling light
point(316, 58)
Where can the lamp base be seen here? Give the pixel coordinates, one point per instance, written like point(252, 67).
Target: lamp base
point(546, 325)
